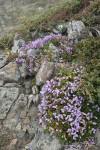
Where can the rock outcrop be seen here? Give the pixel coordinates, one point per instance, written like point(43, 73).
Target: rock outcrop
point(19, 96)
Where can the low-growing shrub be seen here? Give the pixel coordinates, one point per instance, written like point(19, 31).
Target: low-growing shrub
point(64, 112)
point(88, 55)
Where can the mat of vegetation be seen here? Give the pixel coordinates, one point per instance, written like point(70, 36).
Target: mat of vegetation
point(69, 107)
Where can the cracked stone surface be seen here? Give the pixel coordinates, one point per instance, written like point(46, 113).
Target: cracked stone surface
point(10, 73)
point(44, 142)
point(76, 28)
point(2, 61)
point(45, 73)
point(7, 98)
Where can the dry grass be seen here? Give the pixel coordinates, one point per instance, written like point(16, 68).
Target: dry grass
point(30, 18)
point(90, 15)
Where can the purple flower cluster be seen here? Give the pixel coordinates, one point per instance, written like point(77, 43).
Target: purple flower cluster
point(39, 42)
point(60, 110)
point(30, 62)
point(59, 54)
point(35, 45)
point(20, 60)
point(69, 50)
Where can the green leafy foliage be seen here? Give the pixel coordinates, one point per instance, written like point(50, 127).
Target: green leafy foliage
point(88, 56)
